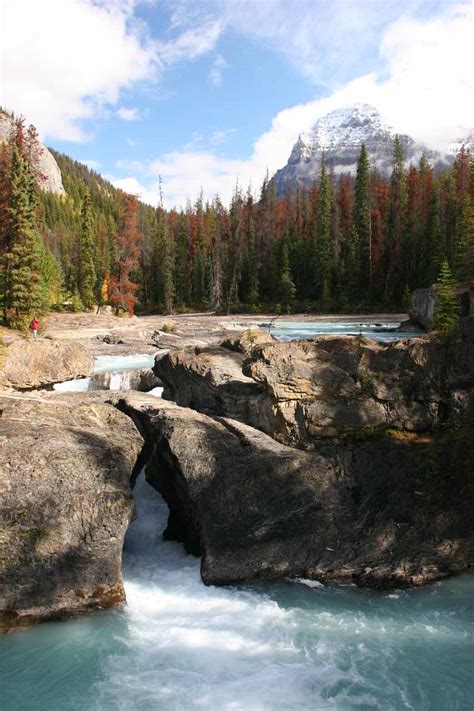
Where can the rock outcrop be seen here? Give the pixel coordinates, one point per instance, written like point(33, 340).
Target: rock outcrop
point(48, 174)
point(305, 392)
point(368, 512)
point(36, 363)
point(423, 303)
point(66, 462)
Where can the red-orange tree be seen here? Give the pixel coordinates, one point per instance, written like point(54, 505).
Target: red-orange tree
point(122, 290)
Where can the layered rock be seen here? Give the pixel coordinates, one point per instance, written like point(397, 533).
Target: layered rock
point(35, 363)
point(304, 392)
point(66, 463)
point(368, 512)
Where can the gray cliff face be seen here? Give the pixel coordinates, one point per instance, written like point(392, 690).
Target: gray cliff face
point(49, 177)
point(338, 138)
point(66, 462)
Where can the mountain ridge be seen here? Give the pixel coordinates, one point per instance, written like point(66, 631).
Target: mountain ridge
point(337, 138)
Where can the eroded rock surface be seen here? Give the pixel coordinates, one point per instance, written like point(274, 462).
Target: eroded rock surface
point(304, 392)
point(368, 512)
point(35, 363)
point(65, 463)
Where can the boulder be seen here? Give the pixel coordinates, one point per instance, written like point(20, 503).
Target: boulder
point(66, 463)
point(367, 513)
point(36, 363)
point(423, 302)
point(304, 392)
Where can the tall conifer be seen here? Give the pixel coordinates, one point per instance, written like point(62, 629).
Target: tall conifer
point(362, 222)
point(86, 276)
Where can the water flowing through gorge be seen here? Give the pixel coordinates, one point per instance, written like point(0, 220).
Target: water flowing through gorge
point(180, 645)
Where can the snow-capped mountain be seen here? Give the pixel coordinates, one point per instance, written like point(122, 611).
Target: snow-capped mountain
point(338, 137)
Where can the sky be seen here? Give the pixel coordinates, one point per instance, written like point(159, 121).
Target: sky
point(208, 94)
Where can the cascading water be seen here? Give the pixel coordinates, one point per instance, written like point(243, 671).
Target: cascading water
point(112, 373)
point(179, 645)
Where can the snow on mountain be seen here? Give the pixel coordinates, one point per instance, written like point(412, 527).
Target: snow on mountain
point(338, 137)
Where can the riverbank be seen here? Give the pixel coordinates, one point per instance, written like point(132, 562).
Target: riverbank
point(105, 334)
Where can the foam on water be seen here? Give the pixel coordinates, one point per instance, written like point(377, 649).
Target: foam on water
point(179, 645)
point(105, 364)
point(73, 386)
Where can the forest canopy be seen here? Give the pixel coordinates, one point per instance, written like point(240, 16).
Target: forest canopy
point(347, 244)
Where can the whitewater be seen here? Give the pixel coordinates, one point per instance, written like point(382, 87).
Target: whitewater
point(178, 644)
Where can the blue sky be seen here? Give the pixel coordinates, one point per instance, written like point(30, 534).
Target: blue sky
point(205, 93)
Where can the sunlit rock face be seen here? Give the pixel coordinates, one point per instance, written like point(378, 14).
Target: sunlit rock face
point(49, 175)
point(41, 362)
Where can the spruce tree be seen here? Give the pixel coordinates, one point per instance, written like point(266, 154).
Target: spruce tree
point(23, 289)
point(464, 255)
point(396, 224)
point(86, 276)
point(445, 316)
point(362, 230)
point(323, 234)
point(286, 285)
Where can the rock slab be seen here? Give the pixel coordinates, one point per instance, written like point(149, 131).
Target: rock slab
point(65, 463)
point(36, 363)
point(366, 513)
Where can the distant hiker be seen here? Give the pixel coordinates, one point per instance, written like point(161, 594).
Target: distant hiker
point(34, 327)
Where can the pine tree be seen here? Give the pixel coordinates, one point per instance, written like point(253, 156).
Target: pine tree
point(86, 276)
point(445, 316)
point(286, 285)
point(362, 231)
point(167, 268)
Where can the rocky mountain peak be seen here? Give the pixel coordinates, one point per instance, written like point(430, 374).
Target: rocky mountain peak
point(50, 176)
point(338, 137)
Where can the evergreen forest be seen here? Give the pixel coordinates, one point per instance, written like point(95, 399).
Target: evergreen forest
point(350, 244)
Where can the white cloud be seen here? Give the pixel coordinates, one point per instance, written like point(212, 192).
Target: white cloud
point(191, 43)
point(65, 60)
point(128, 113)
point(217, 69)
point(133, 186)
point(426, 91)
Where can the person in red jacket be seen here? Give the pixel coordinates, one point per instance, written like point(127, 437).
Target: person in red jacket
point(34, 327)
